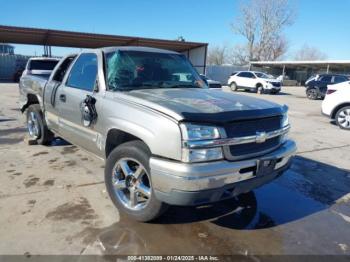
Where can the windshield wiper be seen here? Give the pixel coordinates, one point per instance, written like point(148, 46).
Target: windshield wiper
point(183, 86)
point(136, 87)
point(153, 86)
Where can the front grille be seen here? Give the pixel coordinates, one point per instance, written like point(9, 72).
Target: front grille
point(238, 151)
point(250, 128)
point(214, 86)
point(276, 84)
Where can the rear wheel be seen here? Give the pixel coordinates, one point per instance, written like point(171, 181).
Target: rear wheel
point(312, 93)
point(36, 125)
point(233, 86)
point(342, 118)
point(129, 184)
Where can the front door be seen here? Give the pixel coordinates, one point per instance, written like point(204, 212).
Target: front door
point(79, 84)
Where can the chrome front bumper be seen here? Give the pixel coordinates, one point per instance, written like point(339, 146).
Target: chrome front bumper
point(182, 183)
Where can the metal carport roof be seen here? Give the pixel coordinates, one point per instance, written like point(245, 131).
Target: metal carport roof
point(48, 37)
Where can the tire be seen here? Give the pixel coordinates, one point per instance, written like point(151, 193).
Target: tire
point(233, 86)
point(131, 157)
point(260, 89)
point(311, 94)
point(37, 127)
point(342, 118)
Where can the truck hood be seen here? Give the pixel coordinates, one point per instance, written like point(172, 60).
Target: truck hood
point(204, 105)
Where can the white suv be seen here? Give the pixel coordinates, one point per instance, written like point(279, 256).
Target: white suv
point(336, 104)
point(254, 81)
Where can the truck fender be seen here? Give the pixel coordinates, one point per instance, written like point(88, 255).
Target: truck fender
point(30, 99)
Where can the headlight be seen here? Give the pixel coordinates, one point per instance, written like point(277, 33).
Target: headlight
point(285, 120)
point(284, 123)
point(201, 155)
point(192, 132)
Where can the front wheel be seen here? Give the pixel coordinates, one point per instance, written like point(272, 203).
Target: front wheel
point(311, 94)
point(342, 118)
point(36, 125)
point(129, 183)
point(260, 90)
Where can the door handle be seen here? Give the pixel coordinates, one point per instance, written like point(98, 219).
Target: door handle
point(63, 98)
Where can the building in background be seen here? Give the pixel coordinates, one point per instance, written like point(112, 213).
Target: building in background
point(297, 72)
point(7, 49)
point(10, 63)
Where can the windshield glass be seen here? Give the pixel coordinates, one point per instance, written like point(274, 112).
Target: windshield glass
point(42, 64)
point(130, 70)
point(262, 75)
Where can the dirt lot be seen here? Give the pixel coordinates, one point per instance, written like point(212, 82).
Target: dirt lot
point(53, 200)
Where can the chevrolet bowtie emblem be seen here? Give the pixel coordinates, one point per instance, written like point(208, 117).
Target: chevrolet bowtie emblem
point(261, 137)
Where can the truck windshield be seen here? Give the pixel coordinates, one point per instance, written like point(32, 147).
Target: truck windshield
point(42, 64)
point(130, 70)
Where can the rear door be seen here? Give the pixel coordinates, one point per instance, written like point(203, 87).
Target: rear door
point(80, 83)
point(50, 93)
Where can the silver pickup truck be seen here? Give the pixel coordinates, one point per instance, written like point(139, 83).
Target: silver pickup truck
point(167, 138)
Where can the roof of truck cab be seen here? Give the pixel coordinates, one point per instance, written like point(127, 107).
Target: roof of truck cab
point(45, 58)
point(137, 48)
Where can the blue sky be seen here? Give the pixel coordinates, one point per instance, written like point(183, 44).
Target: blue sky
point(323, 23)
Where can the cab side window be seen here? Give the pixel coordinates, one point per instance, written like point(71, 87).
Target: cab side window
point(327, 79)
point(61, 71)
point(242, 74)
point(246, 75)
point(250, 75)
point(84, 72)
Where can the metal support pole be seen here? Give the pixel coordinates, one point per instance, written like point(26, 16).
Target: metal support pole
point(328, 69)
point(205, 60)
point(284, 70)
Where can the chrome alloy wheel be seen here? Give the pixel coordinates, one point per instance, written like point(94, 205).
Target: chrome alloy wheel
point(344, 118)
point(33, 126)
point(131, 183)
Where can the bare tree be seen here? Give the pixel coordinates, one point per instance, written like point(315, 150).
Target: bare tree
point(262, 23)
point(309, 53)
point(217, 55)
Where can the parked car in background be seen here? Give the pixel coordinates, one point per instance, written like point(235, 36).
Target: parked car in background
point(254, 81)
point(211, 83)
point(316, 86)
point(166, 137)
point(336, 104)
point(40, 66)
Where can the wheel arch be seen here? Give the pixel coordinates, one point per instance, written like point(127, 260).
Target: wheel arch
point(115, 137)
point(337, 108)
point(31, 99)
